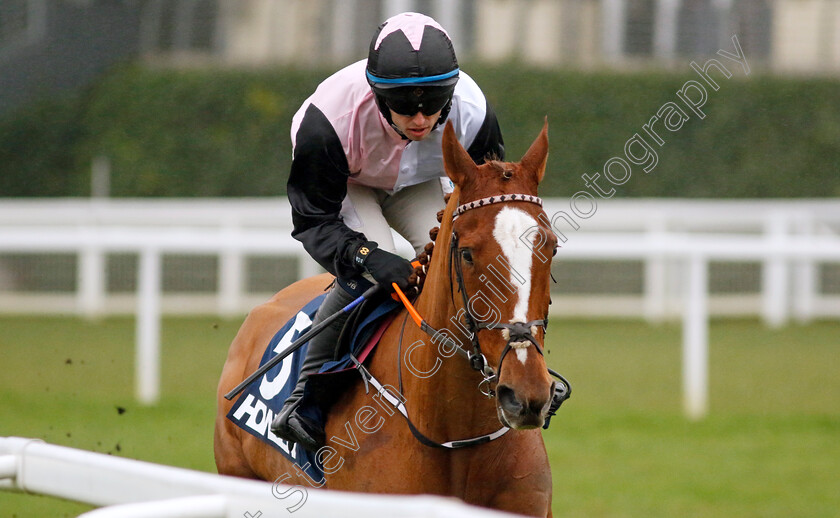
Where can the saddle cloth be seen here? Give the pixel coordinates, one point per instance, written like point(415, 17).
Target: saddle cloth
point(256, 407)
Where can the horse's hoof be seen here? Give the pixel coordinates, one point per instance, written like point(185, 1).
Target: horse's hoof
point(296, 428)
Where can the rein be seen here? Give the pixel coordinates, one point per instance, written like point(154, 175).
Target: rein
point(397, 401)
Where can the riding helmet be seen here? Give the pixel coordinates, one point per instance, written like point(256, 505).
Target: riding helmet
point(412, 67)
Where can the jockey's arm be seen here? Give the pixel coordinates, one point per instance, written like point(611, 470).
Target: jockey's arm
point(316, 188)
point(488, 142)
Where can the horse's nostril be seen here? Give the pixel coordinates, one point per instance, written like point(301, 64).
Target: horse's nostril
point(547, 404)
point(508, 401)
point(536, 407)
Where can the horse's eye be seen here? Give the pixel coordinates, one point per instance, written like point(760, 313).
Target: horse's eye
point(555, 250)
point(466, 255)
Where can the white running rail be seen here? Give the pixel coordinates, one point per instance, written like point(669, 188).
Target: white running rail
point(126, 488)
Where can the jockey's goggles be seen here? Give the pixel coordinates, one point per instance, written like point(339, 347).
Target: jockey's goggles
point(409, 100)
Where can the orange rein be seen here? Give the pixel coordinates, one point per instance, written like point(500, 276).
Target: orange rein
point(408, 306)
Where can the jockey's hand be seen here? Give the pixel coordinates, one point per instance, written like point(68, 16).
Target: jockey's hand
point(385, 267)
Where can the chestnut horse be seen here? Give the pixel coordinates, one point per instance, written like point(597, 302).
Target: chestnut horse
point(487, 290)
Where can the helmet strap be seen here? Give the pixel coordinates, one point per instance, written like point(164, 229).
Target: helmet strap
point(444, 113)
point(386, 113)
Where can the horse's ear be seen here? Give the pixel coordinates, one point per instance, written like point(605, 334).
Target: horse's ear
point(537, 155)
point(456, 161)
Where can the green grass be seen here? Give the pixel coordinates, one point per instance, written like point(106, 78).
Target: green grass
point(768, 448)
point(619, 448)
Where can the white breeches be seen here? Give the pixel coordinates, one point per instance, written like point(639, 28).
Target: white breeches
point(412, 212)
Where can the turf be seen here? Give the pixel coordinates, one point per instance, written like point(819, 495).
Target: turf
point(619, 448)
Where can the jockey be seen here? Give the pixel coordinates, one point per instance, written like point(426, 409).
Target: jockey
point(367, 157)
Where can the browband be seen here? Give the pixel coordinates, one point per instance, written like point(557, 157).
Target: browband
point(499, 198)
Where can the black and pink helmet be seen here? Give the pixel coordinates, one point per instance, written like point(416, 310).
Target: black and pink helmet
point(412, 66)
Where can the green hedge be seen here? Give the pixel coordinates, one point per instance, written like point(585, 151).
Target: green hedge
point(226, 133)
point(39, 149)
point(195, 133)
point(761, 137)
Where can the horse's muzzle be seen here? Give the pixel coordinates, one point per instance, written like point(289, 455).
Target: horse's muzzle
point(522, 413)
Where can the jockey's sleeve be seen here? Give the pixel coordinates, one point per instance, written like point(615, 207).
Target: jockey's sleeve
point(488, 142)
point(317, 185)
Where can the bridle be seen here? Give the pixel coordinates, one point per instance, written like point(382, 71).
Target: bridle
point(519, 334)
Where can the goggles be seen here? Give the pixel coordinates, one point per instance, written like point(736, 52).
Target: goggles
point(410, 100)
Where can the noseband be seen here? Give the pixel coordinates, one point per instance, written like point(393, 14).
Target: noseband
point(520, 334)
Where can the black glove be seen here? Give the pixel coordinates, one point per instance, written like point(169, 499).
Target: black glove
point(385, 267)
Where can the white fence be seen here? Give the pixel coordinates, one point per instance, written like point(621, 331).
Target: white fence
point(231, 231)
point(227, 229)
point(132, 489)
point(674, 241)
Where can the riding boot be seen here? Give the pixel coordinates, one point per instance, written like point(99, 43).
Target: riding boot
point(289, 423)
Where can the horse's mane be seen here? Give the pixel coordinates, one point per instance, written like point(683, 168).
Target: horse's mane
point(437, 271)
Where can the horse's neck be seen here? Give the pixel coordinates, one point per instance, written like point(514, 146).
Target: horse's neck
point(450, 396)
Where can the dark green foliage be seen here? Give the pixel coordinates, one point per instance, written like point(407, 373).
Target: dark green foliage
point(761, 137)
point(38, 151)
point(226, 133)
point(196, 133)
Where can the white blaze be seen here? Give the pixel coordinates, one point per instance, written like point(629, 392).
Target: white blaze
point(510, 225)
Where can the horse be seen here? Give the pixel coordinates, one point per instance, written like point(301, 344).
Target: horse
point(486, 294)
